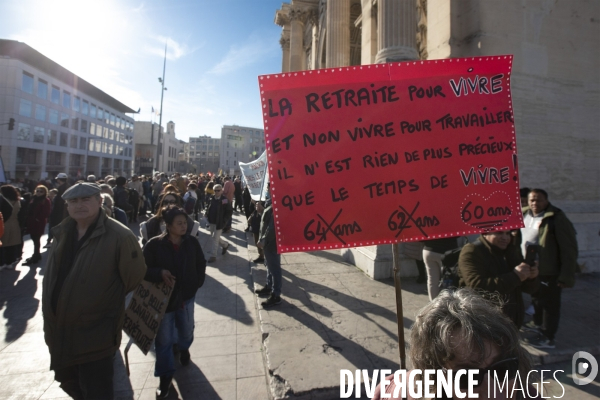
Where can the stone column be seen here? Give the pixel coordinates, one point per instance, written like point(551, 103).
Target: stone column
point(297, 19)
point(338, 34)
point(396, 39)
point(282, 19)
point(369, 32)
point(285, 49)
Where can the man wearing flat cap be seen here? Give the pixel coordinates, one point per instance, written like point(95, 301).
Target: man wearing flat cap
point(93, 263)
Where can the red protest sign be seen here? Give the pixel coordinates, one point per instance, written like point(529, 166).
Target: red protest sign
point(378, 154)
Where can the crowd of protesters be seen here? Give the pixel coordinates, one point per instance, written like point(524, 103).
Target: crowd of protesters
point(95, 216)
point(174, 208)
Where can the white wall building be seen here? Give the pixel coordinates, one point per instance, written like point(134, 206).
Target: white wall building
point(62, 122)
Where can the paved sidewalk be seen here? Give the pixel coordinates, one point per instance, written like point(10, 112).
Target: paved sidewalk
point(226, 363)
point(334, 317)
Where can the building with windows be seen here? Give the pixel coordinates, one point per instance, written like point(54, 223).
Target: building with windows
point(240, 144)
point(204, 153)
point(554, 81)
point(145, 144)
point(63, 123)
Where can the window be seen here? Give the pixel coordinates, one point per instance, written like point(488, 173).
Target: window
point(53, 158)
point(26, 156)
point(53, 116)
point(64, 120)
point(76, 103)
point(104, 147)
point(66, 99)
point(42, 91)
point(85, 107)
point(64, 137)
point(24, 131)
point(112, 119)
point(216, 154)
point(118, 122)
point(93, 111)
point(100, 114)
point(99, 130)
point(91, 146)
point(110, 148)
point(92, 128)
point(111, 134)
point(98, 147)
point(53, 137)
point(74, 141)
point(82, 143)
point(40, 112)
point(55, 95)
point(27, 82)
point(209, 154)
point(84, 126)
point(75, 160)
point(38, 134)
point(25, 108)
point(75, 124)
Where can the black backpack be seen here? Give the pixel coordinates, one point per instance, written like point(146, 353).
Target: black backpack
point(134, 197)
point(450, 277)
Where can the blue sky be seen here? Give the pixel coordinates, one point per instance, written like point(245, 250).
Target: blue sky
point(216, 50)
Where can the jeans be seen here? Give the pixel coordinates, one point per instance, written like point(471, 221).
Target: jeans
point(216, 240)
point(274, 275)
point(546, 303)
point(176, 327)
point(92, 380)
point(433, 265)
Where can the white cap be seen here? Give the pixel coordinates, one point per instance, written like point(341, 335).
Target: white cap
point(62, 175)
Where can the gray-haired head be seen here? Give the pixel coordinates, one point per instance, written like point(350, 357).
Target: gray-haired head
point(467, 316)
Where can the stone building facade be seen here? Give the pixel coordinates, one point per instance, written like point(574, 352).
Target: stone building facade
point(555, 81)
point(62, 122)
point(240, 144)
point(204, 153)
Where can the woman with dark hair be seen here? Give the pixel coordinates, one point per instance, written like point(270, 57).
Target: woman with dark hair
point(463, 330)
point(11, 240)
point(176, 259)
point(167, 189)
point(155, 225)
point(37, 216)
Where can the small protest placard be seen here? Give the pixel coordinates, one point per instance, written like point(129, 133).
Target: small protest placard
point(254, 174)
point(145, 312)
point(377, 154)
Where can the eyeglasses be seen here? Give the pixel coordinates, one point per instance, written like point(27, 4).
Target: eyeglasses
point(508, 367)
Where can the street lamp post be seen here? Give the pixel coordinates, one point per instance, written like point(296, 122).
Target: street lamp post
point(162, 92)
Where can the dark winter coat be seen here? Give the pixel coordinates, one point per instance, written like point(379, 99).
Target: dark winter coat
point(39, 211)
point(483, 266)
point(59, 208)
point(218, 211)
point(267, 231)
point(187, 264)
point(91, 305)
point(558, 245)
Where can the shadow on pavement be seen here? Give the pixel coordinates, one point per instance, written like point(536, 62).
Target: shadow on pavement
point(18, 301)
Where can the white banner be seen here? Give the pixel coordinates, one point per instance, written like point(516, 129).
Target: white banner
point(255, 174)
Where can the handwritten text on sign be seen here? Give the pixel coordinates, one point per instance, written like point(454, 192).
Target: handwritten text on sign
point(145, 313)
point(394, 152)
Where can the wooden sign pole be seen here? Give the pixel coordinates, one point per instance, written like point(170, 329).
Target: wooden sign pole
point(399, 312)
